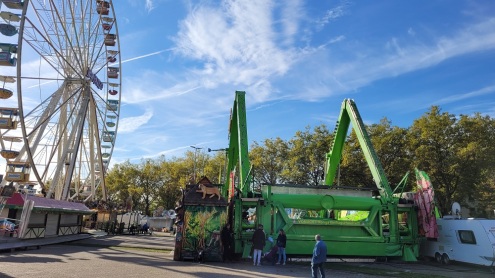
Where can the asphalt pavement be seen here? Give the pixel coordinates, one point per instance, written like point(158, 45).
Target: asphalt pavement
point(158, 241)
point(151, 255)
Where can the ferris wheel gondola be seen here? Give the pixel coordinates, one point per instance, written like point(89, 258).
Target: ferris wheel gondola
point(58, 58)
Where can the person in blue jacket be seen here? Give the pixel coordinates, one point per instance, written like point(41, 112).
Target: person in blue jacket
point(281, 242)
point(319, 258)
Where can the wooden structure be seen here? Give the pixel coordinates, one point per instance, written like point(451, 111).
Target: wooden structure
point(48, 218)
point(198, 225)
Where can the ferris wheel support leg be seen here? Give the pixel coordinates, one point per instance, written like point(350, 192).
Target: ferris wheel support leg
point(79, 131)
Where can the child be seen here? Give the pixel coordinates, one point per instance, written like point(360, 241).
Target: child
point(271, 257)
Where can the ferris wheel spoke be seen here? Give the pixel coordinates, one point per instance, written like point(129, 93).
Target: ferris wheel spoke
point(68, 93)
point(55, 41)
point(78, 134)
point(48, 33)
point(47, 130)
point(46, 106)
point(70, 148)
point(50, 138)
point(97, 55)
point(48, 113)
point(66, 29)
point(45, 48)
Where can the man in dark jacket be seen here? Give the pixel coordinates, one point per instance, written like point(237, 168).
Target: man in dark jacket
point(281, 242)
point(226, 237)
point(319, 258)
point(258, 244)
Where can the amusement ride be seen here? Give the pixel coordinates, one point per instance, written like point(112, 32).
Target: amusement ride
point(60, 92)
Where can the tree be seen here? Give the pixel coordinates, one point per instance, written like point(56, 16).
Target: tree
point(149, 179)
point(175, 175)
point(457, 152)
point(353, 170)
point(268, 160)
point(434, 140)
point(119, 182)
point(307, 156)
point(215, 166)
point(476, 152)
point(390, 144)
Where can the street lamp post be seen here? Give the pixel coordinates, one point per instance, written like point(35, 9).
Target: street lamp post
point(225, 166)
point(196, 149)
point(217, 150)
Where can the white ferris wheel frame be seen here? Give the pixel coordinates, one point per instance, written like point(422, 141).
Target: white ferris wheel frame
point(65, 133)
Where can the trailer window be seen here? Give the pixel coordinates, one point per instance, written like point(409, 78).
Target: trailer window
point(467, 237)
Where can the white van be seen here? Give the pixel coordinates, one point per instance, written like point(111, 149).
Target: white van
point(463, 240)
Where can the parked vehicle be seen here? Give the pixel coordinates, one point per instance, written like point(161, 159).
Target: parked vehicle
point(470, 240)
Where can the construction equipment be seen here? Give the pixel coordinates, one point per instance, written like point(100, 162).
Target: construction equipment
point(357, 223)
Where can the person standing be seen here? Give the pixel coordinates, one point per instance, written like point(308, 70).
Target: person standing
point(258, 244)
point(281, 242)
point(319, 258)
point(227, 236)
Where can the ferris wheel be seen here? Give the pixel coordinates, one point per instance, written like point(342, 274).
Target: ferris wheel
point(62, 60)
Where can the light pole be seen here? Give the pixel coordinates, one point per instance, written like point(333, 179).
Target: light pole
point(217, 150)
point(196, 149)
point(220, 172)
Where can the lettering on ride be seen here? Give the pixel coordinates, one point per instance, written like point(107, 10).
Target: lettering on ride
point(94, 79)
point(14, 176)
point(311, 221)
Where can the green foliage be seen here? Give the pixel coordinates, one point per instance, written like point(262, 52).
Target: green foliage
point(269, 160)
point(356, 216)
point(390, 143)
point(158, 182)
point(457, 152)
point(354, 170)
point(306, 156)
point(458, 155)
point(200, 222)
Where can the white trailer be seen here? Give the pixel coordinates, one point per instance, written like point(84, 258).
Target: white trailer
point(463, 240)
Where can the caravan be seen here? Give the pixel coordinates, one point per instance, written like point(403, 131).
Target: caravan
point(469, 240)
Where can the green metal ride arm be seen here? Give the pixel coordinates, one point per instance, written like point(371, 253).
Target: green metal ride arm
point(237, 153)
point(349, 114)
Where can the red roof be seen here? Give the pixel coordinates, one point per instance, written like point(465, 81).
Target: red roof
point(48, 204)
point(15, 200)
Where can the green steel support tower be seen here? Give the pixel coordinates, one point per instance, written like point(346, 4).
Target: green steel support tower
point(355, 223)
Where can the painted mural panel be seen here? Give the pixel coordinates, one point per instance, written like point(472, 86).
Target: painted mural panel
point(199, 233)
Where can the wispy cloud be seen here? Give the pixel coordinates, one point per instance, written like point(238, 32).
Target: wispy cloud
point(144, 56)
point(462, 106)
point(137, 93)
point(236, 44)
point(130, 124)
point(149, 5)
point(292, 13)
point(473, 94)
point(332, 14)
point(258, 47)
point(397, 57)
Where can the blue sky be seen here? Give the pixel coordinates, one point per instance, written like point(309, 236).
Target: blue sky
point(297, 60)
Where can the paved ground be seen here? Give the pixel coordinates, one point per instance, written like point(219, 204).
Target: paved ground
point(159, 241)
point(150, 256)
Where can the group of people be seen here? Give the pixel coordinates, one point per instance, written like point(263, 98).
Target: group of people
point(258, 241)
point(277, 254)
